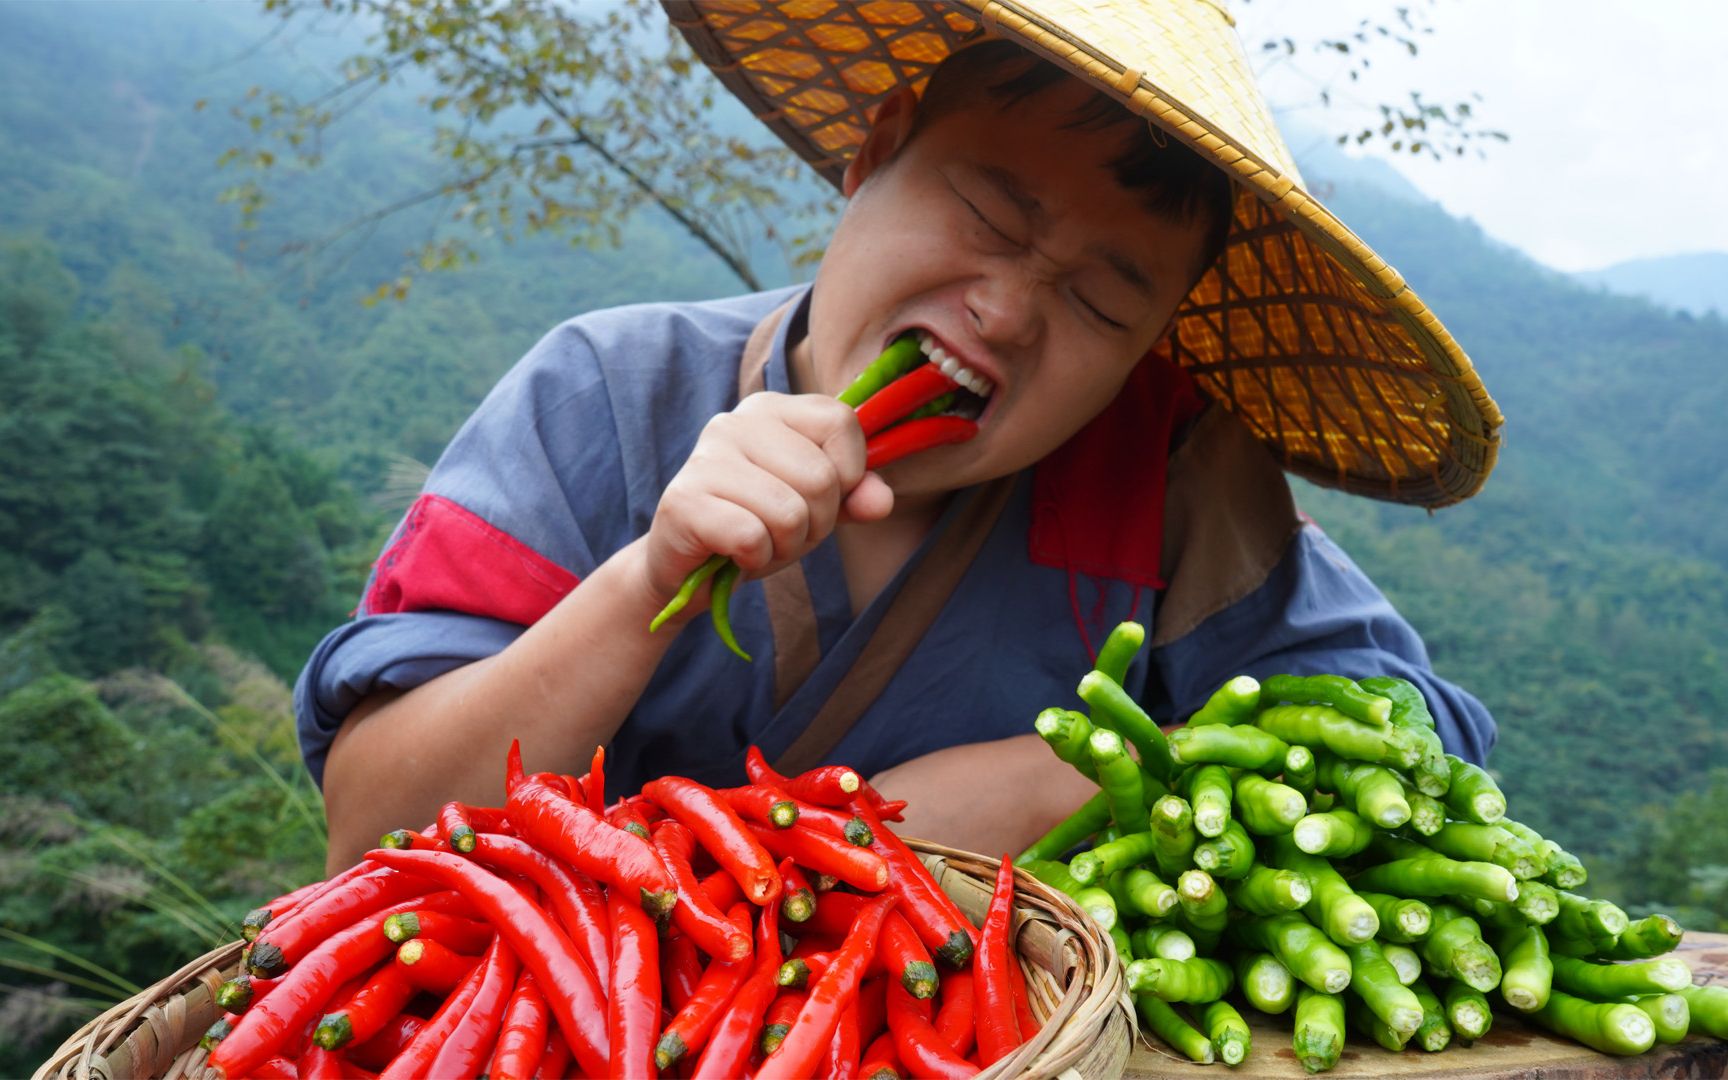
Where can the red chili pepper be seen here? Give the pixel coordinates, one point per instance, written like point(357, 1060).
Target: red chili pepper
point(627, 815)
point(808, 961)
point(363, 1013)
point(468, 1046)
point(917, 1042)
point(856, 866)
point(310, 984)
point(283, 944)
point(913, 390)
point(872, 1008)
point(418, 1058)
point(881, 1061)
point(513, 774)
point(705, 924)
point(492, 819)
point(932, 912)
point(596, 788)
point(376, 1052)
point(734, 1036)
point(681, 966)
point(763, 805)
point(721, 832)
point(722, 890)
point(260, 917)
point(956, 1018)
point(633, 1010)
point(555, 1064)
point(797, 897)
point(826, 785)
point(454, 827)
point(1022, 1006)
point(841, 1062)
point(575, 899)
point(901, 955)
point(811, 1032)
point(695, 1018)
point(777, 1021)
point(569, 985)
point(317, 1063)
point(434, 967)
point(842, 824)
point(276, 1068)
point(570, 831)
point(915, 436)
point(522, 1040)
point(463, 935)
point(998, 1030)
point(889, 809)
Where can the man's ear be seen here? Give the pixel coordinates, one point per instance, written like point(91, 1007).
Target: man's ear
point(892, 126)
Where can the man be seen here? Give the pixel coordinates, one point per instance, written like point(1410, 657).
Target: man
point(1040, 238)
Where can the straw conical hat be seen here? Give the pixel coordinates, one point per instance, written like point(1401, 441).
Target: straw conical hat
point(1300, 329)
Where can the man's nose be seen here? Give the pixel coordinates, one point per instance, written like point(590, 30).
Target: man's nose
point(1006, 309)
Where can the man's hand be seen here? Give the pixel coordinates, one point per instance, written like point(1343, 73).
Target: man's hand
point(993, 798)
point(765, 483)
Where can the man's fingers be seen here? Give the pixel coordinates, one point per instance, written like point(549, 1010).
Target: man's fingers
point(871, 500)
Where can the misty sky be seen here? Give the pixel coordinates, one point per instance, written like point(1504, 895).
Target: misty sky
point(1617, 112)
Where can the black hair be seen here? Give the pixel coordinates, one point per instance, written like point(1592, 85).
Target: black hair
point(1175, 182)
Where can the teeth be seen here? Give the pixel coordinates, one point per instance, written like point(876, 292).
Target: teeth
point(952, 368)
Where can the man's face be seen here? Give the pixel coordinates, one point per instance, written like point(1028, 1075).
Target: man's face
point(1005, 237)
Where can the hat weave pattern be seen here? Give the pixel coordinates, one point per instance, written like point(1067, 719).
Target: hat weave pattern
point(1299, 329)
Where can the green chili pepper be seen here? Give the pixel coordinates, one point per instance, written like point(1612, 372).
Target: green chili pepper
point(1120, 649)
point(692, 582)
point(1210, 793)
point(895, 361)
point(1070, 832)
point(720, 604)
point(1114, 708)
point(1162, 942)
point(1107, 858)
point(1119, 776)
point(1332, 690)
point(1266, 983)
point(1435, 1033)
point(1319, 1036)
point(1232, 703)
point(1066, 732)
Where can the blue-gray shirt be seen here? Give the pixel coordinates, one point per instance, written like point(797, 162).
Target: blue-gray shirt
point(564, 463)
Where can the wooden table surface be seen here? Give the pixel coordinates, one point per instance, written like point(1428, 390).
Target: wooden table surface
point(1512, 1050)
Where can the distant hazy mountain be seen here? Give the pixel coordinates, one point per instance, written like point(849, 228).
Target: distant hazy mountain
point(1696, 283)
point(1324, 165)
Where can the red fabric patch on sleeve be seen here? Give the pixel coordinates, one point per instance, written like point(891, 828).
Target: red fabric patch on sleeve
point(1098, 499)
point(446, 558)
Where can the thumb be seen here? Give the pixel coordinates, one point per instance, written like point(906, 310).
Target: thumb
point(871, 500)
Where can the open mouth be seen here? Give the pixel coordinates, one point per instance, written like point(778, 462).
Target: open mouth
point(973, 391)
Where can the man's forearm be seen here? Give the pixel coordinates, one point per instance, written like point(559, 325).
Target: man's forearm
point(992, 798)
point(562, 688)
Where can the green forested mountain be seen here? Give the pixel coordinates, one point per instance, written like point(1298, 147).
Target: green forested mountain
point(196, 427)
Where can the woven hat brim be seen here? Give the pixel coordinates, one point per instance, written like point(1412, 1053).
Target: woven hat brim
point(1300, 329)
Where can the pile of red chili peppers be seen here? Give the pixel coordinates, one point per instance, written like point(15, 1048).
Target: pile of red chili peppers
point(773, 930)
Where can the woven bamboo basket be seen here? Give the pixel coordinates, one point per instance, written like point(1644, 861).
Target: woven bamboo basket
point(1074, 978)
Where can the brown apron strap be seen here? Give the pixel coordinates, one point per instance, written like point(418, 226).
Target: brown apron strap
point(914, 608)
point(791, 613)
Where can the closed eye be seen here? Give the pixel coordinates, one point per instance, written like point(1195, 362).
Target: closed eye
point(1100, 316)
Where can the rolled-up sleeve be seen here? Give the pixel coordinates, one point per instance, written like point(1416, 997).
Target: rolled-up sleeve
point(383, 652)
point(1318, 613)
